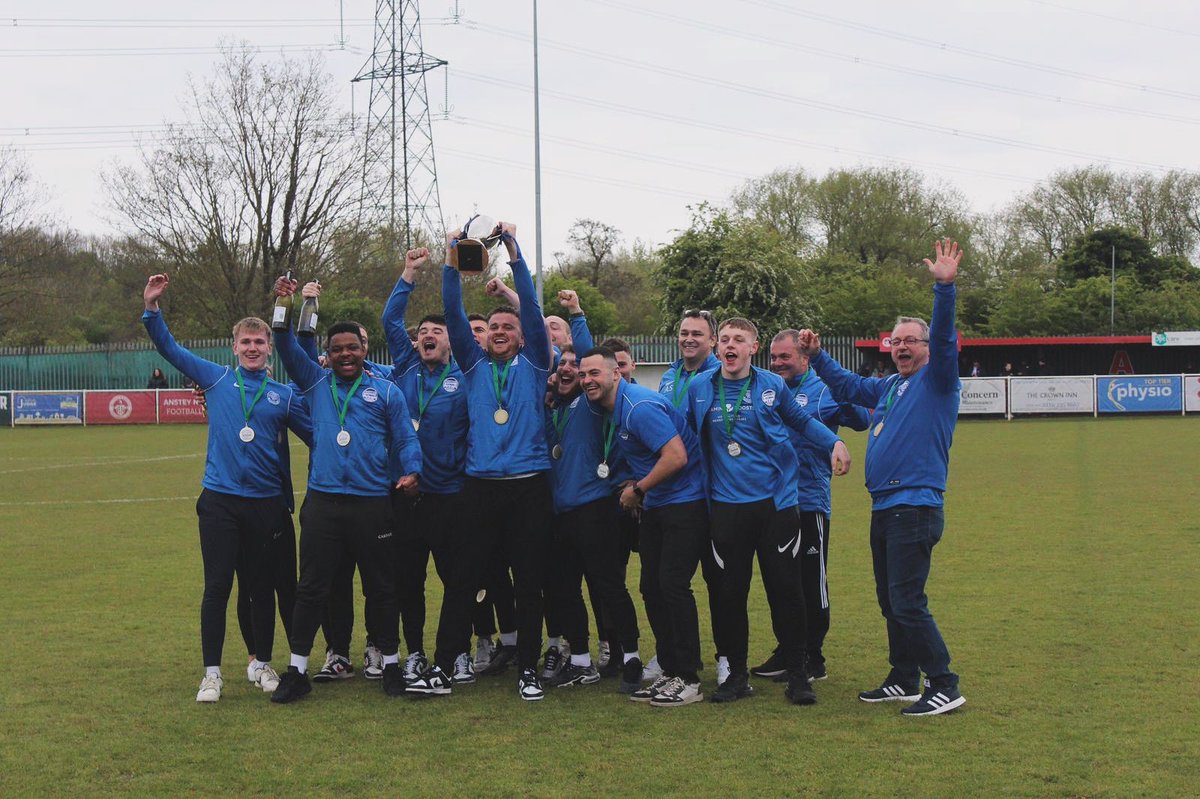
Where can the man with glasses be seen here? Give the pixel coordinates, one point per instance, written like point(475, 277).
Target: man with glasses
point(908, 453)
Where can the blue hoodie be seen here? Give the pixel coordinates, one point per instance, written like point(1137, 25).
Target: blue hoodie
point(646, 422)
point(908, 458)
point(675, 381)
point(232, 466)
point(519, 446)
point(383, 445)
point(810, 392)
point(574, 481)
point(444, 425)
point(767, 467)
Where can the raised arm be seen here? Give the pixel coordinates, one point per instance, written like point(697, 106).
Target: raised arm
point(533, 327)
point(203, 373)
point(844, 384)
point(581, 334)
point(458, 328)
point(399, 347)
point(303, 370)
point(943, 338)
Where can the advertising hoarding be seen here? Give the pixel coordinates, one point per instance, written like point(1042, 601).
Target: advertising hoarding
point(179, 406)
point(47, 407)
point(1052, 395)
point(121, 407)
point(1139, 394)
point(983, 395)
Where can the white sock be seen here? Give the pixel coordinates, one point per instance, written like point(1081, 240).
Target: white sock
point(255, 665)
point(631, 655)
point(213, 670)
point(392, 658)
point(554, 641)
point(300, 662)
point(581, 660)
point(508, 639)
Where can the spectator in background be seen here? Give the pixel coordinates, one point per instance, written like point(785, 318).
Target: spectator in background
point(976, 370)
point(1008, 370)
point(157, 379)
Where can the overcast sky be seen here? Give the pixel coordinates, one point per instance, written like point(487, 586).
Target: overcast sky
point(645, 112)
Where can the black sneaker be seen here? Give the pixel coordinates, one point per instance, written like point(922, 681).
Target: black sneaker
point(932, 702)
point(552, 664)
point(798, 690)
point(631, 676)
point(772, 667)
point(502, 658)
point(891, 691)
point(816, 671)
point(577, 675)
point(736, 686)
point(393, 679)
point(529, 687)
point(615, 665)
point(293, 685)
point(431, 682)
point(337, 667)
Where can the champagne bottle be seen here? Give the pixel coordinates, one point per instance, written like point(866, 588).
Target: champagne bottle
point(281, 317)
point(307, 324)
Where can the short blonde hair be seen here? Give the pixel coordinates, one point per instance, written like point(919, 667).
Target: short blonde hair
point(252, 324)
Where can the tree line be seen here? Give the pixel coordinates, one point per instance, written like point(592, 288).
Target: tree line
point(261, 175)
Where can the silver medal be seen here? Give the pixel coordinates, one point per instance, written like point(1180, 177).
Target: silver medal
point(556, 452)
point(343, 439)
point(602, 471)
point(246, 434)
point(734, 448)
point(416, 424)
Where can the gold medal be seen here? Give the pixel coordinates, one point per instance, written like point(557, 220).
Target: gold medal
point(246, 434)
point(500, 416)
point(878, 428)
point(343, 439)
point(556, 453)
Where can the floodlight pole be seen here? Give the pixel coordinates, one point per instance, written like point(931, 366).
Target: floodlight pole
point(537, 161)
point(1112, 295)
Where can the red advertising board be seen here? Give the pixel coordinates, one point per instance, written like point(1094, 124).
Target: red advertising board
point(119, 407)
point(179, 407)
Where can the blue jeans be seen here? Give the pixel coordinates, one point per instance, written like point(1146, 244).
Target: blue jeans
point(902, 540)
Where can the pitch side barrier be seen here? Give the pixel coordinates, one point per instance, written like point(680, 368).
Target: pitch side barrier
point(981, 396)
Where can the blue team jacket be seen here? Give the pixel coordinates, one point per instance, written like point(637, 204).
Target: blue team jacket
point(811, 394)
point(645, 423)
point(908, 461)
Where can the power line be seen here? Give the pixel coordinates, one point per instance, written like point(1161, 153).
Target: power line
point(1114, 18)
point(983, 55)
point(841, 55)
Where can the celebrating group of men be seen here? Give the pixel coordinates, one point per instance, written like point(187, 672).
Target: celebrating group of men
point(511, 444)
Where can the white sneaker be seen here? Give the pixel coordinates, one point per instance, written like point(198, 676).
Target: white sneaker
point(372, 663)
point(484, 648)
point(264, 677)
point(464, 670)
point(678, 693)
point(722, 670)
point(605, 655)
point(210, 688)
point(415, 665)
point(652, 670)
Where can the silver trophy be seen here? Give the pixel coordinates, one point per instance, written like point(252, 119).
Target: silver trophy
point(480, 238)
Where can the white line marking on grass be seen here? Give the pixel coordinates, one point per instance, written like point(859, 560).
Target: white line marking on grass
point(120, 462)
point(94, 501)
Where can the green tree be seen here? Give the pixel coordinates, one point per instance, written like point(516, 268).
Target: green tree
point(601, 314)
point(1092, 255)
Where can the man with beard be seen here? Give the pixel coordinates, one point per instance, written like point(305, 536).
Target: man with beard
point(507, 456)
point(363, 444)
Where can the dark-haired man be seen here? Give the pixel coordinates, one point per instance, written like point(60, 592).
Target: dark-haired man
point(507, 456)
point(363, 445)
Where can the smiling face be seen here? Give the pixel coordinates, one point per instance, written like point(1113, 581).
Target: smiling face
point(252, 346)
point(433, 344)
point(695, 341)
point(786, 359)
point(909, 357)
point(346, 355)
point(625, 364)
point(568, 375)
point(599, 378)
point(560, 332)
point(735, 347)
point(504, 335)
point(479, 329)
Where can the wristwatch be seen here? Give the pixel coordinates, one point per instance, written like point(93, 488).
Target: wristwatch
point(637, 489)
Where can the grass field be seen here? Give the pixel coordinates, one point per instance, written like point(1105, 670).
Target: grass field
point(1066, 587)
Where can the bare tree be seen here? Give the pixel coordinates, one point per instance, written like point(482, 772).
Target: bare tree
point(595, 242)
point(27, 238)
point(254, 182)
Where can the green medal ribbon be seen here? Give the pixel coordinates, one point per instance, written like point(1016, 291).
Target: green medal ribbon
point(609, 429)
point(796, 390)
point(560, 426)
point(242, 388)
point(887, 403)
point(500, 380)
point(344, 406)
point(730, 420)
point(676, 395)
point(423, 403)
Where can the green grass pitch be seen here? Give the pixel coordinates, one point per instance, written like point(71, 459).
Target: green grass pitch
point(1066, 587)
